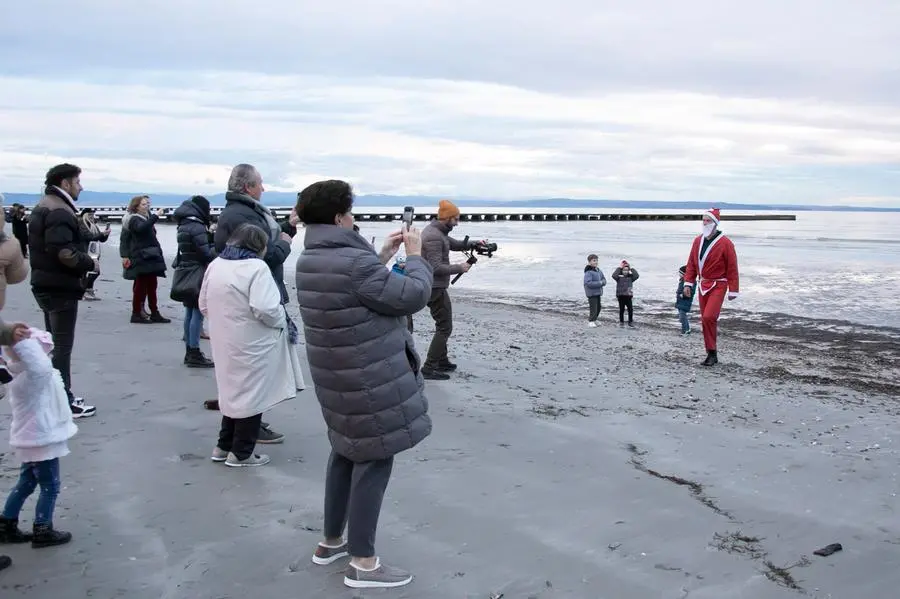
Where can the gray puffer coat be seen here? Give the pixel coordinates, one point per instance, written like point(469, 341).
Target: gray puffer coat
point(362, 358)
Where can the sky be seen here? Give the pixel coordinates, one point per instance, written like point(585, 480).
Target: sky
point(771, 101)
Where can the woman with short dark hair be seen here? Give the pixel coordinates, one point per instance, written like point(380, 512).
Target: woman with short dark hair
point(365, 368)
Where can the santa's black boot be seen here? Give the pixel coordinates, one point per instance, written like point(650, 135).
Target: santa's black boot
point(711, 358)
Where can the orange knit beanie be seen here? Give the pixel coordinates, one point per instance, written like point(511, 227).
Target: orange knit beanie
point(447, 209)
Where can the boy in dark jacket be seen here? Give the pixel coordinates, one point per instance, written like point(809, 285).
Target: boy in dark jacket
point(683, 304)
point(594, 282)
point(625, 276)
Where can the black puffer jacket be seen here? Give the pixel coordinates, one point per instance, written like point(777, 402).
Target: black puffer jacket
point(194, 243)
point(144, 250)
point(240, 209)
point(57, 249)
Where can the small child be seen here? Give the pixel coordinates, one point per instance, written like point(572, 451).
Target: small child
point(41, 427)
point(400, 269)
point(594, 282)
point(625, 276)
point(683, 304)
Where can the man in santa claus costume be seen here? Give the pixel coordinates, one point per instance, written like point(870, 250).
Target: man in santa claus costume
point(713, 261)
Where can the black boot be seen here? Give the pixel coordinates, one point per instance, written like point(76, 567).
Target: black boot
point(711, 358)
point(140, 318)
point(10, 533)
point(433, 374)
point(157, 317)
point(45, 536)
point(5, 562)
point(194, 358)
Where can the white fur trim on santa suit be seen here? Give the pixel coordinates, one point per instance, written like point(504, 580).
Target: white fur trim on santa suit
point(711, 216)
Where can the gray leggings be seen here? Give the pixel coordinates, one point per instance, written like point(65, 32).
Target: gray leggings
point(353, 495)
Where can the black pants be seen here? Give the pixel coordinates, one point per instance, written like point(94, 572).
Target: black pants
point(442, 313)
point(89, 279)
point(625, 302)
point(60, 315)
point(409, 323)
point(23, 243)
point(595, 308)
point(239, 435)
point(353, 495)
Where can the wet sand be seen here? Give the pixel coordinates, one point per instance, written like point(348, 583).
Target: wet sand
point(565, 462)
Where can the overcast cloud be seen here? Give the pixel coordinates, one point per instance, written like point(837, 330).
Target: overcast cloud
point(794, 101)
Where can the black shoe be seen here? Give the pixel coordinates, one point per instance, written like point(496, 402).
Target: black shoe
point(45, 536)
point(269, 437)
point(433, 374)
point(140, 319)
point(156, 317)
point(5, 562)
point(447, 366)
point(194, 358)
point(10, 533)
point(711, 358)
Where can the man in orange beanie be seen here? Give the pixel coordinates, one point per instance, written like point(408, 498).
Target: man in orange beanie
point(436, 247)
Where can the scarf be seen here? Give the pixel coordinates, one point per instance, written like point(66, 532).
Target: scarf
point(232, 252)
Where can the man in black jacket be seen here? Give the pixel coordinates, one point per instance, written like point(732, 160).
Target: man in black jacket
point(59, 261)
point(243, 205)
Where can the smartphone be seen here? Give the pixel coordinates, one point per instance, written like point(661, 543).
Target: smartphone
point(408, 213)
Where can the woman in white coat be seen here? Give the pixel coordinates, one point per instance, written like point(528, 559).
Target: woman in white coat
point(253, 344)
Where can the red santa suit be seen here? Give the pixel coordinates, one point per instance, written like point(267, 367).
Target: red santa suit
point(716, 267)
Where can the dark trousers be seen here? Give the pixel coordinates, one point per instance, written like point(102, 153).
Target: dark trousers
point(353, 496)
point(442, 313)
point(409, 323)
point(89, 279)
point(625, 302)
point(32, 474)
point(144, 288)
point(239, 435)
point(595, 308)
point(60, 315)
point(23, 243)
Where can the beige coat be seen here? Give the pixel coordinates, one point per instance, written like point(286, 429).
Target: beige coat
point(256, 366)
point(13, 268)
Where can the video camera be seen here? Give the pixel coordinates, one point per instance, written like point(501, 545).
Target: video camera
point(482, 248)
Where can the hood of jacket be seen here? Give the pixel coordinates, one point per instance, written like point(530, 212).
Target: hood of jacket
point(190, 210)
point(589, 267)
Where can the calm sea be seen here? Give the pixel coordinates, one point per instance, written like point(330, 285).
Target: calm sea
point(824, 265)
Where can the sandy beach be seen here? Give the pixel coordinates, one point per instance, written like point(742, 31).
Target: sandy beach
point(565, 462)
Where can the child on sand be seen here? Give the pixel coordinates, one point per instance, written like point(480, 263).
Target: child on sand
point(683, 304)
point(594, 282)
point(41, 427)
point(625, 276)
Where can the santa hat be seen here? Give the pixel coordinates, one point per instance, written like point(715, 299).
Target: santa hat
point(713, 213)
point(447, 209)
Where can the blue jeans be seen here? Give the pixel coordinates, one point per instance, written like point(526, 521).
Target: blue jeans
point(32, 474)
point(193, 326)
point(685, 322)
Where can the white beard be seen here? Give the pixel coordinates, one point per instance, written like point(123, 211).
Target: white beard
point(709, 230)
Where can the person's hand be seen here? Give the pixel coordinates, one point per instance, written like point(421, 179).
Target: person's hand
point(286, 237)
point(19, 332)
point(688, 292)
point(412, 239)
point(293, 218)
point(108, 227)
point(126, 263)
point(160, 212)
point(392, 243)
point(465, 266)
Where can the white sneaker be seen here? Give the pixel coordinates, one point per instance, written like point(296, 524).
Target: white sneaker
point(81, 409)
point(253, 460)
point(592, 324)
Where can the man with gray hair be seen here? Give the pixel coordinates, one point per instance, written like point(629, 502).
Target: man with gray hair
point(243, 205)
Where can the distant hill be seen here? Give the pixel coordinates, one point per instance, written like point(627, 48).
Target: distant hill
point(277, 198)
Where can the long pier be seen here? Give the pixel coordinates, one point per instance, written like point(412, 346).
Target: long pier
point(115, 214)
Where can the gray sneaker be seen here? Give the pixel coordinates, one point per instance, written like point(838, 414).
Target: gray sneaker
point(253, 460)
point(382, 577)
point(328, 555)
point(269, 437)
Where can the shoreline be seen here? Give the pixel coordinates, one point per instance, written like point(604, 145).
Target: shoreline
point(565, 462)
